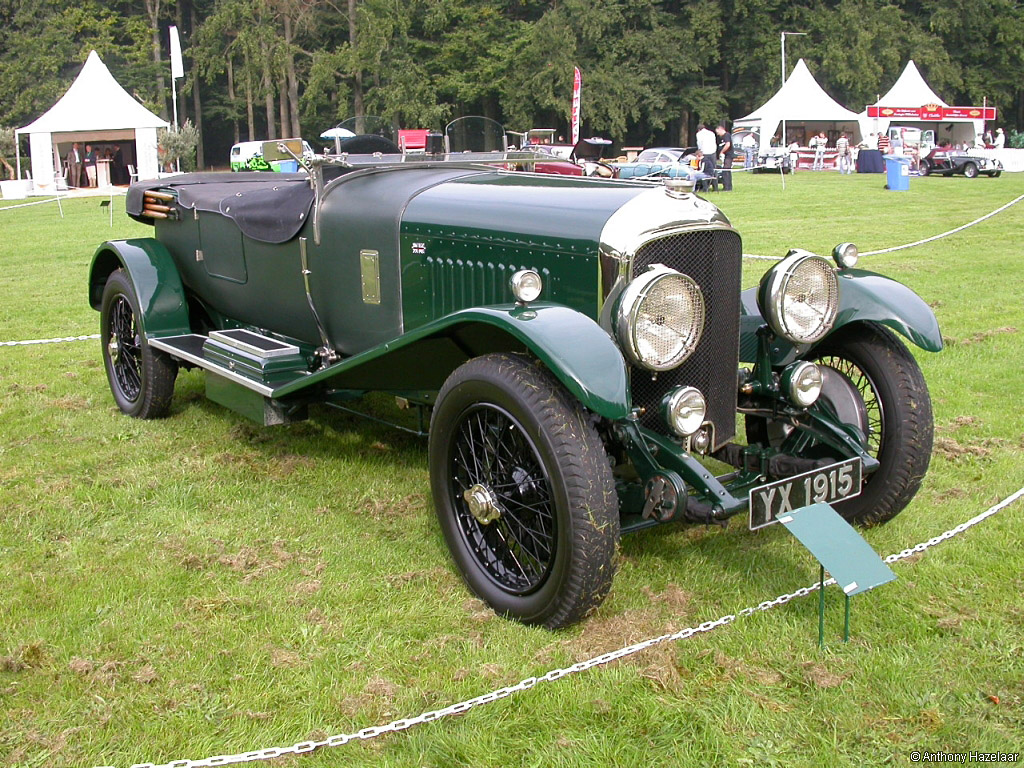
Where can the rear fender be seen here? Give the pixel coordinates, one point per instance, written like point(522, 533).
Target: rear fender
point(157, 283)
point(863, 296)
point(573, 347)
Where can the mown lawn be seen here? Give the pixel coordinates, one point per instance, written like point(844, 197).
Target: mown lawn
point(199, 586)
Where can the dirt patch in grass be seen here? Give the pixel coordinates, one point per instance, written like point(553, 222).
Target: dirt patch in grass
point(25, 657)
point(608, 633)
point(432, 575)
point(821, 676)
point(250, 561)
point(676, 599)
point(71, 403)
point(955, 450)
point(282, 658)
point(952, 493)
point(981, 336)
point(385, 510)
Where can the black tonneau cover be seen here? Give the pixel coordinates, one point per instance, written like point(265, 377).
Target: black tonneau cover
point(268, 207)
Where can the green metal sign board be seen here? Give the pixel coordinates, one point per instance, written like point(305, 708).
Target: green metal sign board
point(842, 551)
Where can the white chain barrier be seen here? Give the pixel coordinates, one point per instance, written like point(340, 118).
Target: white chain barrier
point(556, 674)
point(48, 341)
point(916, 243)
point(37, 202)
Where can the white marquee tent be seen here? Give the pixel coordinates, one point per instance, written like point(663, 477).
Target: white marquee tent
point(94, 109)
point(801, 101)
point(911, 90)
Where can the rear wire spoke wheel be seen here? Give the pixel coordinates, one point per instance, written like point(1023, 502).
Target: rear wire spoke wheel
point(523, 491)
point(140, 377)
point(871, 383)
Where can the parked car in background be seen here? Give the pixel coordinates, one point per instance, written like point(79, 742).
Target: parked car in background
point(946, 161)
point(582, 346)
point(584, 159)
point(248, 156)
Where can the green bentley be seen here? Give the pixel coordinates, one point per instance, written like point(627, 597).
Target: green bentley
point(583, 347)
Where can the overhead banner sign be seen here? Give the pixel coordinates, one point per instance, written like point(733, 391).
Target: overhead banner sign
point(933, 112)
point(577, 86)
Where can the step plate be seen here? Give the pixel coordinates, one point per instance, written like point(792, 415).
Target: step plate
point(254, 343)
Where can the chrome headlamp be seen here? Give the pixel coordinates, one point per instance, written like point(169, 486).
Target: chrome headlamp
point(660, 318)
point(799, 297)
point(684, 409)
point(846, 255)
point(802, 382)
point(526, 285)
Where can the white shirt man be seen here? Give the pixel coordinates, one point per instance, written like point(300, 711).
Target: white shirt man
point(706, 142)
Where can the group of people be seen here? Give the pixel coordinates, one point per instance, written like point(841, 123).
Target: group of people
point(715, 149)
point(81, 166)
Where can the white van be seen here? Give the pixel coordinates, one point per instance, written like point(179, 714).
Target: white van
point(248, 156)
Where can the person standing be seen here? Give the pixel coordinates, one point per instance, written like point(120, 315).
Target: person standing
point(845, 156)
point(819, 145)
point(749, 145)
point(726, 153)
point(1000, 140)
point(884, 143)
point(708, 147)
point(90, 165)
point(117, 169)
point(74, 161)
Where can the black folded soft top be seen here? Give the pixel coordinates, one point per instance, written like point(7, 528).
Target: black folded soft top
point(269, 207)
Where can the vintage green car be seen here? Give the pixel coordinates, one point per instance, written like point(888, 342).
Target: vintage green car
point(583, 347)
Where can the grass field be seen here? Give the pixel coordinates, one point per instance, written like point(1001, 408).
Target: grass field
point(199, 586)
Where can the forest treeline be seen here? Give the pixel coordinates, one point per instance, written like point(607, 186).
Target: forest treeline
point(269, 68)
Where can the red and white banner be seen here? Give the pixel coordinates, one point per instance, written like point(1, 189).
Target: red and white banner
point(577, 86)
point(933, 112)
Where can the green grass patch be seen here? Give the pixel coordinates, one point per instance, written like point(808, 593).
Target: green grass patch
point(198, 585)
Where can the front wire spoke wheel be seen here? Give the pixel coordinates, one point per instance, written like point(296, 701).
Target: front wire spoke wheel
point(492, 453)
point(523, 491)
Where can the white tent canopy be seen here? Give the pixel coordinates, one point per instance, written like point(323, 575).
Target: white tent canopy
point(911, 90)
point(801, 101)
point(95, 108)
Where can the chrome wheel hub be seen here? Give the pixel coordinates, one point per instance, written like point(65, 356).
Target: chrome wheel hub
point(113, 346)
point(482, 503)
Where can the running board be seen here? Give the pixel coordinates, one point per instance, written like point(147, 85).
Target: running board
point(242, 371)
point(190, 349)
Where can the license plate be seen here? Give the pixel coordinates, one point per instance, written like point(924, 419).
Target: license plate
point(832, 483)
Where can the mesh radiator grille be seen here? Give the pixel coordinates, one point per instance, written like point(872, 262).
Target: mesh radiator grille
point(713, 258)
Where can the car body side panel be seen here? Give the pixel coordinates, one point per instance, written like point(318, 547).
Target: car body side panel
point(575, 348)
point(155, 276)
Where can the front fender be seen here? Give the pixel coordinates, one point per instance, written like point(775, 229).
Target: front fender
point(157, 283)
point(577, 350)
point(863, 296)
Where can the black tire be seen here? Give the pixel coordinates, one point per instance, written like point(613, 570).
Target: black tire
point(505, 429)
point(140, 377)
point(924, 168)
point(970, 170)
point(996, 174)
point(875, 384)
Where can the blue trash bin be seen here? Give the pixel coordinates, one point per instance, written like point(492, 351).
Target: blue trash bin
point(897, 172)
